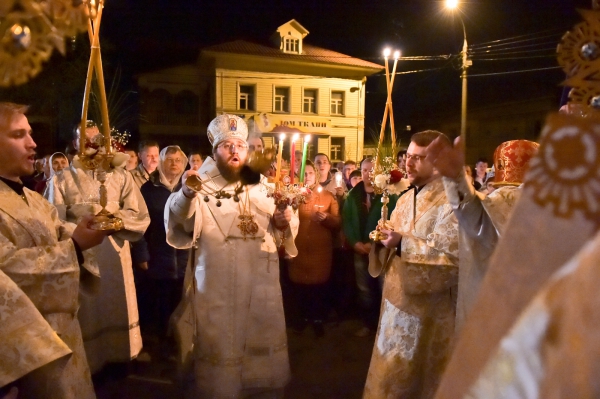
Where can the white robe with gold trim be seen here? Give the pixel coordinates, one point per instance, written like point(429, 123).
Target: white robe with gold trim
point(416, 326)
point(241, 341)
point(109, 319)
point(36, 252)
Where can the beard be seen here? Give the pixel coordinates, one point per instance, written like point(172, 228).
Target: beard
point(229, 172)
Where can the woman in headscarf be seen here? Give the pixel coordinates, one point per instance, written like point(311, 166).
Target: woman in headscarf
point(55, 163)
point(163, 265)
point(310, 271)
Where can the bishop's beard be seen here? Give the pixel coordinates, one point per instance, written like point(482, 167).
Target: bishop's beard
point(229, 173)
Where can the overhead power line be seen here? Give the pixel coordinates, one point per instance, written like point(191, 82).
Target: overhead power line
point(508, 49)
point(515, 58)
point(509, 72)
point(518, 39)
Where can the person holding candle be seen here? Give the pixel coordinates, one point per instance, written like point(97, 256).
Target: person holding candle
point(310, 271)
point(326, 180)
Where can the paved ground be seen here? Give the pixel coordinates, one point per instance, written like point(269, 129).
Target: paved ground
point(331, 367)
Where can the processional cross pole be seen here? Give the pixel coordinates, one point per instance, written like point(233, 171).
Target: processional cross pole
point(100, 161)
point(388, 105)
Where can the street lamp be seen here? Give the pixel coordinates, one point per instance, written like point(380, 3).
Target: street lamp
point(453, 4)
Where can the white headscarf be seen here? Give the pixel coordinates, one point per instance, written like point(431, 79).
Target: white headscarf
point(163, 157)
point(52, 172)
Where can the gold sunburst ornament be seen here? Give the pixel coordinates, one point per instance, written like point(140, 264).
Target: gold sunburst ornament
point(30, 30)
point(566, 172)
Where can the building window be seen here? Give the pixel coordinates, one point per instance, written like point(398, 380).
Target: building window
point(291, 45)
point(337, 103)
point(246, 98)
point(336, 151)
point(309, 101)
point(281, 100)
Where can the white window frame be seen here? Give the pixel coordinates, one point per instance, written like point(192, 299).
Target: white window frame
point(336, 144)
point(339, 104)
point(246, 96)
point(315, 102)
point(291, 45)
point(276, 97)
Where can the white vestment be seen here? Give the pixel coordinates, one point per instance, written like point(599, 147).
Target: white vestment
point(109, 320)
point(240, 342)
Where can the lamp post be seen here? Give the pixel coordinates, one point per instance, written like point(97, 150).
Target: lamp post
point(466, 63)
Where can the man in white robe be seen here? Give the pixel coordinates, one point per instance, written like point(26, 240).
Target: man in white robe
point(109, 320)
point(40, 259)
point(240, 345)
point(416, 327)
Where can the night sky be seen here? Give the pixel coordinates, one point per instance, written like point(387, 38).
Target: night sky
point(167, 32)
point(144, 35)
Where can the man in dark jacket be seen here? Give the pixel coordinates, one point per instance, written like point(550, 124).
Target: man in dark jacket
point(361, 213)
point(163, 265)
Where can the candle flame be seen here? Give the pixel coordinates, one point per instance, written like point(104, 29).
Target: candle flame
point(307, 138)
point(396, 54)
point(387, 52)
point(282, 136)
point(319, 189)
point(295, 137)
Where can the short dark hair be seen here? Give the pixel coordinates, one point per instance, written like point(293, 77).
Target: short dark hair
point(147, 144)
point(324, 155)
point(349, 162)
point(400, 153)
point(195, 151)
point(355, 173)
point(426, 137)
point(482, 159)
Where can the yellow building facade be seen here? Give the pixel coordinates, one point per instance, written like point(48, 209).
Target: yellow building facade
point(287, 87)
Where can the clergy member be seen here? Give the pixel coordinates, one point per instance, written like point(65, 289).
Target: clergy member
point(240, 347)
point(109, 320)
point(416, 326)
point(40, 258)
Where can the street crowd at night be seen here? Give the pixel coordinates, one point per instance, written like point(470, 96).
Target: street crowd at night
point(246, 239)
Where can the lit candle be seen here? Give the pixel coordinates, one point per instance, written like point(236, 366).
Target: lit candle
point(279, 155)
point(338, 179)
point(318, 205)
point(293, 157)
point(304, 155)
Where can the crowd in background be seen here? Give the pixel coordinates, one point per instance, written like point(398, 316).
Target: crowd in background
point(329, 278)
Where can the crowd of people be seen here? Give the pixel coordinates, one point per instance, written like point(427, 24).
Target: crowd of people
point(218, 273)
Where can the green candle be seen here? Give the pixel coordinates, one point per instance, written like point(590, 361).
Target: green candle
point(304, 155)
